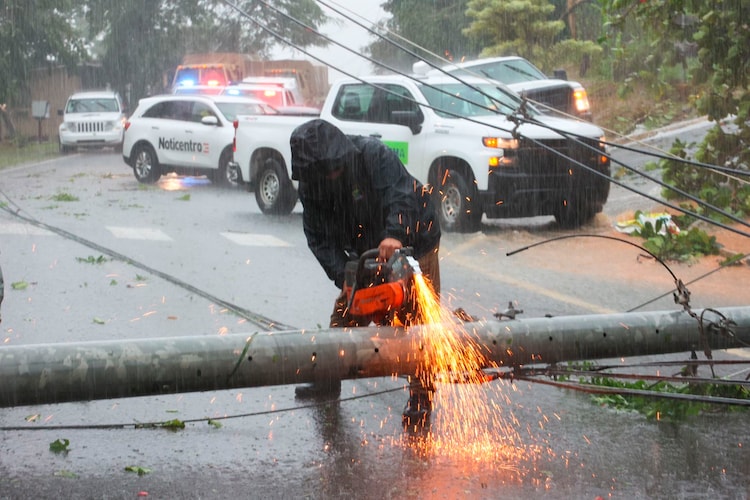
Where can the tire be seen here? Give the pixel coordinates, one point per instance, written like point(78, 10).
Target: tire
point(574, 214)
point(274, 191)
point(458, 205)
point(225, 176)
point(145, 164)
point(64, 149)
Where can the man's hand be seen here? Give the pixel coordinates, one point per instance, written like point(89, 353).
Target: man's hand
point(387, 248)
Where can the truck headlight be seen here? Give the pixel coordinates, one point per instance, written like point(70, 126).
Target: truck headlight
point(505, 147)
point(500, 143)
point(603, 158)
point(581, 101)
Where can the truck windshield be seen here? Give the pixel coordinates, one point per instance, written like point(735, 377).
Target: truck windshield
point(508, 72)
point(457, 99)
point(101, 105)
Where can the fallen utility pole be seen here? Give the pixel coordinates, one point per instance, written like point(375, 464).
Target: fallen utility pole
point(55, 373)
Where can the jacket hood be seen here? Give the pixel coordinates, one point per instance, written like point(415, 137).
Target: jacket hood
point(319, 147)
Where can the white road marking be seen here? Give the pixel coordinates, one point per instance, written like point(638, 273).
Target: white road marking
point(138, 233)
point(255, 240)
point(23, 229)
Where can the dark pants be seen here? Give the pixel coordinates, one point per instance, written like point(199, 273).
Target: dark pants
point(430, 266)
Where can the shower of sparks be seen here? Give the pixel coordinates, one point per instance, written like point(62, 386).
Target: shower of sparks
point(471, 420)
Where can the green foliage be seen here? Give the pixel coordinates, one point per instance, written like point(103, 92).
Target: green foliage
point(19, 285)
point(31, 35)
point(64, 197)
point(60, 446)
point(655, 408)
point(12, 154)
point(514, 28)
point(138, 40)
point(92, 260)
point(141, 471)
point(572, 52)
point(710, 41)
point(730, 193)
point(66, 473)
point(682, 246)
point(436, 30)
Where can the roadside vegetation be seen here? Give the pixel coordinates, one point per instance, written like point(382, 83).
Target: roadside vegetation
point(644, 65)
point(666, 399)
point(12, 153)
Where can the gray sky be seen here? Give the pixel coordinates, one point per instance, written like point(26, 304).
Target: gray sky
point(344, 32)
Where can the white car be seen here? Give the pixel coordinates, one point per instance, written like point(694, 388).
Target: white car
point(92, 119)
point(186, 134)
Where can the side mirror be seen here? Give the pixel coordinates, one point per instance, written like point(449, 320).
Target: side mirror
point(60, 112)
point(210, 120)
point(411, 119)
point(561, 74)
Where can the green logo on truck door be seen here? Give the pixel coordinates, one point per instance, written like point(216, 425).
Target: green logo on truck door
point(401, 149)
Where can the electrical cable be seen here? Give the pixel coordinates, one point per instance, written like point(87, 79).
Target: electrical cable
point(265, 321)
point(568, 236)
point(255, 318)
point(622, 184)
point(209, 420)
point(536, 122)
point(592, 389)
point(663, 184)
point(723, 265)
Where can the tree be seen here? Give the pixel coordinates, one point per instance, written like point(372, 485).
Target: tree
point(433, 27)
point(518, 27)
point(33, 34)
point(142, 39)
point(721, 36)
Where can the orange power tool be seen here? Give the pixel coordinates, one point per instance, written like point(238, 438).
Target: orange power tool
point(377, 289)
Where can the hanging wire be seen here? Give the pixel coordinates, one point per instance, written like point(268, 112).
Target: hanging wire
point(519, 116)
point(254, 318)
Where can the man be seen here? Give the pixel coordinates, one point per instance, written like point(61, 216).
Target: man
point(357, 195)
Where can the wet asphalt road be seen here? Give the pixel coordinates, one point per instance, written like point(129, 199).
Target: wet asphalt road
point(262, 443)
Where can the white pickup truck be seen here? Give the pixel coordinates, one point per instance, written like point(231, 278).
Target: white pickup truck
point(458, 137)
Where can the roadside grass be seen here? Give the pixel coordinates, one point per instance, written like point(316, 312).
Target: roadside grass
point(12, 154)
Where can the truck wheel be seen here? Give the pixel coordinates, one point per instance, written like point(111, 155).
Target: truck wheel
point(273, 189)
point(145, 165)
point(574, 214)
point(225, 176)
point(64, 149)
point(458, 206)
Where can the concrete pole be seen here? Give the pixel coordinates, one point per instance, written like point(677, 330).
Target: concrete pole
point(55, 373)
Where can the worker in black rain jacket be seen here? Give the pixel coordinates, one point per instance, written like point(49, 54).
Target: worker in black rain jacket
point(357, 195)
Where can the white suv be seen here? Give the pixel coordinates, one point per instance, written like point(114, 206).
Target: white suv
point(92, 120)
point(186, 134)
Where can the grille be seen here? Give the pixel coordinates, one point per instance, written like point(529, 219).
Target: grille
point(88, 127)
point(555, 98)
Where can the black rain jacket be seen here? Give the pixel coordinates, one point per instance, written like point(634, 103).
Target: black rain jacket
point(373, 198)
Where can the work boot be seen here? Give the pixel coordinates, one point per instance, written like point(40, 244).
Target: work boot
point(324, 389)
point(419, 407)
